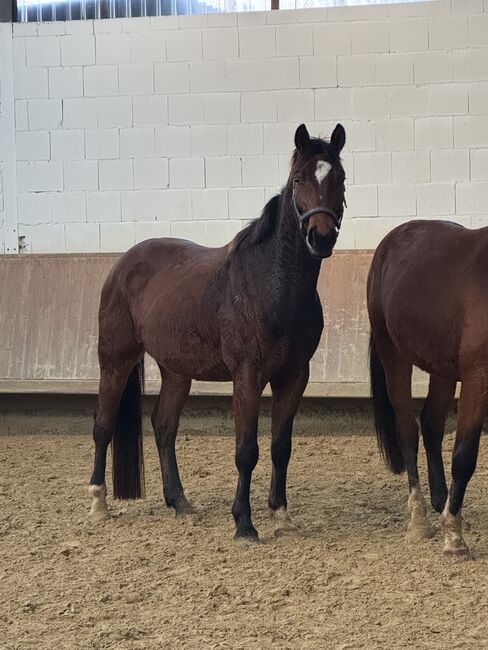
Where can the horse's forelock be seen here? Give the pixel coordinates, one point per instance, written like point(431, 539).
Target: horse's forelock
point(317, 147)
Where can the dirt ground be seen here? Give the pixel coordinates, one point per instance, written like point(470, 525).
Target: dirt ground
point(147, 580)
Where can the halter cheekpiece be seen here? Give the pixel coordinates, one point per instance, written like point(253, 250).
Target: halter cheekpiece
point(303, 216)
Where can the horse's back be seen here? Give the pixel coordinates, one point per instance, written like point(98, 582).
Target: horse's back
point(165, 254)
point(427, 293)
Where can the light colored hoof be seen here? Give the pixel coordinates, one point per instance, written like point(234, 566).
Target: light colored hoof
point(290, 531)
point(285, 524)
point(99, 514)
point(452, 526)
point(418, 530)
point(418, 527)
point(455, 545)
point(99, 509)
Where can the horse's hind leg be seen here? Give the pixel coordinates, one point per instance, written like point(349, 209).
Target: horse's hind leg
point(433, 421)
point(399, 377)
point(473, 405)
point(165, 420)
point(112, 385)
point(287, 390)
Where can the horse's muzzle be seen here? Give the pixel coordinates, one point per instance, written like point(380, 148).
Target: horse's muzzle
point(321, 245)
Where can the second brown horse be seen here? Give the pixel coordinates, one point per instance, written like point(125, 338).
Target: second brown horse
point(247, 312)
point(428, 306)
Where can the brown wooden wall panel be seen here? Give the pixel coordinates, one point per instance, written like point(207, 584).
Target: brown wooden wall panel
point(48, 315)
point(48, 325)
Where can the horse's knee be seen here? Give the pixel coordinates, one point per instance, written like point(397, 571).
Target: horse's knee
point(247, 455)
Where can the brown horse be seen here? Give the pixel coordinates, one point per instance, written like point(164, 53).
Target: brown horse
point(428, 307)
point(247, 312)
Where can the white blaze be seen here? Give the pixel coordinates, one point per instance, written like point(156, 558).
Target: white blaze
point(323, 168)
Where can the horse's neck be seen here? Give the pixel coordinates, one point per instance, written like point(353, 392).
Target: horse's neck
point(296, 270)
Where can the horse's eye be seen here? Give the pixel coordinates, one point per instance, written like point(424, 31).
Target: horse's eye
point(297, 179)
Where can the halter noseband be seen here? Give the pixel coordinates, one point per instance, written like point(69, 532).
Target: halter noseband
point(303, 216)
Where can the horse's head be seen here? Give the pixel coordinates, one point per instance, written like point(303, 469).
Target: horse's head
point(317, 186)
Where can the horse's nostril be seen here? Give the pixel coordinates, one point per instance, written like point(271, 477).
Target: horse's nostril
point(319, 242)
point(312, 237)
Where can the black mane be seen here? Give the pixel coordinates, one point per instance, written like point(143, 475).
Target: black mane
point(261, 228)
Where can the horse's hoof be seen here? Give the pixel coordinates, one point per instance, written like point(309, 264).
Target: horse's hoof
point(463, 553)
point(419, 530)
point(457, 548)
point(454, 543)
point(245, 543)
point(288, 531)
point(99, 514)
point(185, 509)
point(99, 510)
point(286, 525)
point(247, 536)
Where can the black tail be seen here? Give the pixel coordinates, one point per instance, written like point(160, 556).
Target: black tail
point(127, 451)
point(384, 415)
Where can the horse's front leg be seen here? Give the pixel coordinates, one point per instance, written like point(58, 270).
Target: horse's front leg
point(287, 390)
point(247, 393)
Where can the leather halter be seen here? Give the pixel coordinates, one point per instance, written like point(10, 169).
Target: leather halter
point(303, 216)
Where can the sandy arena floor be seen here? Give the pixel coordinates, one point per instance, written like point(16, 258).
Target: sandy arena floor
point(148, 580)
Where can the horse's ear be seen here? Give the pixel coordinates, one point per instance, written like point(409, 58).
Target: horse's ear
point(302, 138)
point(338, 137)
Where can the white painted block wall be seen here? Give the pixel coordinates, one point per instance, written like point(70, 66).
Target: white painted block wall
point(2, 202)
point(183, 126)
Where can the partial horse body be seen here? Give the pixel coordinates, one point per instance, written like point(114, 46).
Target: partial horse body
point(428, 307)
point(247, 312)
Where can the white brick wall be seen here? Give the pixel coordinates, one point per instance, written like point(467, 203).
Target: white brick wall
point(184, 126)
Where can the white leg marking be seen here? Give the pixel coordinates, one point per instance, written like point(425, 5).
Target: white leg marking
point(99, 509)
point(285, 524)
point(452, 526)
point(323, 168)
point(418, 527)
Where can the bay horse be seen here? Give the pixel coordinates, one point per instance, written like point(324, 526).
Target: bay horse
point(247, 312)
point(428, 307)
